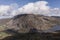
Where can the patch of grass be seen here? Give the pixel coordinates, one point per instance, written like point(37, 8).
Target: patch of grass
point(3, 27)
point(3, 35)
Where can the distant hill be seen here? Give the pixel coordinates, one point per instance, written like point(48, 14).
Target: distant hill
point(4, 21)
point(56, 16)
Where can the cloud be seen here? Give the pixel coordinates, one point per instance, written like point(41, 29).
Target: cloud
point(54, 12)
point(39, 7)
point(3, 9)
point(6, 10)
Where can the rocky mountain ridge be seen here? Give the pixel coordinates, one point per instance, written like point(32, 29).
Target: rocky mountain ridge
point(25, 22)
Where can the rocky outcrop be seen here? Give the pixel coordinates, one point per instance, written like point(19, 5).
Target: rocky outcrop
point(24, 22)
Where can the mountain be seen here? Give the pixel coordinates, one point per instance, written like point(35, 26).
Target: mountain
point(25, 22)
point(28, 25)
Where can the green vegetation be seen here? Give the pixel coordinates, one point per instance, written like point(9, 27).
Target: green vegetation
point(34, 36)
point(3, 35)
point(3, 27)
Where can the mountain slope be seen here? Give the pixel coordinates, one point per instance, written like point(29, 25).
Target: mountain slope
point(25, 22)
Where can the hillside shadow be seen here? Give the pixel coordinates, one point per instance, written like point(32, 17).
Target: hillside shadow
point(33, 34)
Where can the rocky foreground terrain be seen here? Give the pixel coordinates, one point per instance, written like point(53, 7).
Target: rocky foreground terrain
point(29, 26)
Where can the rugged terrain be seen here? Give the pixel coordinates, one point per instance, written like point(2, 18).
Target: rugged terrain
point(24, 24)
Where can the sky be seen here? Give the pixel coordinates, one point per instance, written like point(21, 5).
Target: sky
point(52, 3)
point(43, 7)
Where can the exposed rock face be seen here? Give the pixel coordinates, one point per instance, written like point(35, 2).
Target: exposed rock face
point(24, 22)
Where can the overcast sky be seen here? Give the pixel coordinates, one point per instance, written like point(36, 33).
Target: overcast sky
point(44, 7)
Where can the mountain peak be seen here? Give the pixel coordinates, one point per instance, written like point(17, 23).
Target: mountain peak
point(25, 22)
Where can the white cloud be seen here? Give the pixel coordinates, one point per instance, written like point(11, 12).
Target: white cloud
point(6, 10)
point(3, 9)
point(54, 12)
point(39, 7)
